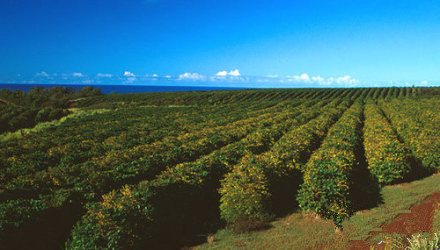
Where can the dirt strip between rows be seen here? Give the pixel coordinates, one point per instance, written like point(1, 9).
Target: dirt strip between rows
point(419, 220)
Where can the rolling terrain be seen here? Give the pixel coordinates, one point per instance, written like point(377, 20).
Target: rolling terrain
point(168, 170)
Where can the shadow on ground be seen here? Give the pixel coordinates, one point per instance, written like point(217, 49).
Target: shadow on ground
point(365, 190)
point(49, 231)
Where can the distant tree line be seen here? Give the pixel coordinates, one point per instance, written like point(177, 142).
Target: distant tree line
point(19, 109)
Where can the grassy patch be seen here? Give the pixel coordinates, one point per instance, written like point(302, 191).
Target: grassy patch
point(436, 224)
point(397, 199)
point(286, 233)
point(302, 231)
point(390, 241)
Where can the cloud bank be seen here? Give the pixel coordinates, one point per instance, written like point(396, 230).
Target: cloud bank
point(42, 74)
point(191, 76)
point(230, 77)
point(128, 74)
point(230, 73)
point(346, 81)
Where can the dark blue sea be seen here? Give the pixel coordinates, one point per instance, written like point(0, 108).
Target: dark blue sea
point(121, 89)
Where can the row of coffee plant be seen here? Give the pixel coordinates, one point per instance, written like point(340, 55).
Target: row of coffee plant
point(417, 122)
point(117, 129)
point(200, 98)
point(261, 185)
point(328, 173)
point(69, 196)
point(39, 171)
point(64, 184)
point(182, 201)
point(388, 159)
point(248, 96)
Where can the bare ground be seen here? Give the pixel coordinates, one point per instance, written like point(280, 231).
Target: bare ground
point(419, 220)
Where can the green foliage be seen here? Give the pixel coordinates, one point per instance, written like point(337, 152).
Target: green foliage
point(388, 159)
point(14, 117)
point(244, 193)
point(24, 110)
point(324, 191)
point(327, 175)
point(222, 97)
point(417, 122)
point(114, 222)
point(88, 92)
point(256, 188)
point(148, 171)
point(190, 186)
point(49, 114)
point(417, 242)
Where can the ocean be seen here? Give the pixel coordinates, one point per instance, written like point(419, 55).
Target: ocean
point(121, 89)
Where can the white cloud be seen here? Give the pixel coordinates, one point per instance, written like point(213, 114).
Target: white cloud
point(221, 77)
point(272, 76)
point(222, 73)
point(302, 78)
point(234, 73)
point(230, 73)
point(104, 75)
point(423, 83)
point(191, 76)
point(130, 77)
point(317, 79)
point(153, 75)
point(230, 79)
point(129, 80)
point(305, 78)
point(42, 74)
point(344, 80)
point(128, 74)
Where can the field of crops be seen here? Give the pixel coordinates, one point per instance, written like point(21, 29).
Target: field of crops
point(166, 169)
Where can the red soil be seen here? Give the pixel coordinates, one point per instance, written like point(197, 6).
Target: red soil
point(419, 220)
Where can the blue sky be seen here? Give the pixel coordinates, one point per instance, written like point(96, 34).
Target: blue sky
point(275, 43)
